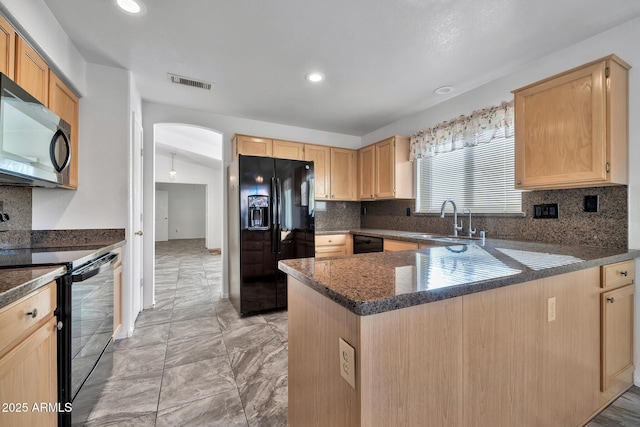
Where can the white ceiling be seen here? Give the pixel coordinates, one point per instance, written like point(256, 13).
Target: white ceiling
point(190, 143)
point(382, 58)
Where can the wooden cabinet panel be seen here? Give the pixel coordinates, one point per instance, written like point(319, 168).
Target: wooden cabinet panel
point(14, 321)
point(252, 146)
point(288, 150)
point(320, 155)
point(343, 174)
point(366, 172)
point(7, 48)
point(333, 245)
point(65, 104)
point(571, 129)
point(399, 245)
point(385, 171)
point(32, 73)
point(28, 359)
point(617, 334)
point(618, 274)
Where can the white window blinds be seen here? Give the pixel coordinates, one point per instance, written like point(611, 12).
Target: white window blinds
point(479, 177)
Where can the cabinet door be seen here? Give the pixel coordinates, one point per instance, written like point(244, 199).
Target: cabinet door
point(32, 73)
point(28, 377)
point(367, 172)
point(617, 335)
point(320, 155)
point(7, 48)
point(561, 130)
point(252, 146)
point(343, 174)
point(385, 169)
point(288, 150)
point(64, 103)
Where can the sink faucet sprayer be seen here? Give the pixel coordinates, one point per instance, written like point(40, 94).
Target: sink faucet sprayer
point(472, 231)
point(456, 227)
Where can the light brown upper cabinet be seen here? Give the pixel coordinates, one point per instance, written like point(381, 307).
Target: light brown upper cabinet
point(64, 103)
point(7, 48)
point(320, 155)
point(385, 170)
point(32, 72)
point(343, 174)
point(288, 150)
point(571, 130)
point(252, 146)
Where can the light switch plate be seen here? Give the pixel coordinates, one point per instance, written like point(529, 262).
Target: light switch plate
point(347, 362)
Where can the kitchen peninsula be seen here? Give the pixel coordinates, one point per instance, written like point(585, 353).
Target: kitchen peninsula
point(490, 333)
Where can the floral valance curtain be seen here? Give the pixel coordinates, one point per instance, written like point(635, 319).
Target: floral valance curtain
point(479, 127)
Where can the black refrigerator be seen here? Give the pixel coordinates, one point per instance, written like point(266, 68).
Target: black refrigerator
point(271, 218)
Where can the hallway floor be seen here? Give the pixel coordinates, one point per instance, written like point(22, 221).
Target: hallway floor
point(192, 361)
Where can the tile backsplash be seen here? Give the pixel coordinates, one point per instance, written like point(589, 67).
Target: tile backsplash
point(606, 228)
point(17, 204)
point(337, 215)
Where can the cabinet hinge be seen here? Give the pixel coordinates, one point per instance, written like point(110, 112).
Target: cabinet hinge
point(606, 72)
point(607, 167)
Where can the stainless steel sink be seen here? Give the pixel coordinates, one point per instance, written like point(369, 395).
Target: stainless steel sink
point(462, 240)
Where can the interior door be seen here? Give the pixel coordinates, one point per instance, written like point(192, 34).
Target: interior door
point(162, 216)
point(137, 218)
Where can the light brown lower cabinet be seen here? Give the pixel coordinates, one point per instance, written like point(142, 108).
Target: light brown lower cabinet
point(28, 373)
point(492, 358)
point(333, 245)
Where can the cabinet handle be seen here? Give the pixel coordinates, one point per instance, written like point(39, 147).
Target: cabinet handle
point(518, 182)
point(623, 273)
point(611, 300)
point(59, 325)
point(330, 241)
point(33, 313)
point(333, 196)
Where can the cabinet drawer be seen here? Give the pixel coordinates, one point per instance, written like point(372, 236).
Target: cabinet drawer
point(327, 251)
point(331, 239)
point(618, 274)
point(14, 321)
point(398, 245)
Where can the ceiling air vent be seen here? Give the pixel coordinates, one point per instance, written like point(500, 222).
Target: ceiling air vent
point(189, 82)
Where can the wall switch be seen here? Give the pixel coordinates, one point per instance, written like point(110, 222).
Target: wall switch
point(551, 210)
point(591, 203)
point(551, 309)
point(347, 362)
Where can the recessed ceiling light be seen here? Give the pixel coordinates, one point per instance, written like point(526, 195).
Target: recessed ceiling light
point(134, 7)
point(443, 90)
point(315, 77)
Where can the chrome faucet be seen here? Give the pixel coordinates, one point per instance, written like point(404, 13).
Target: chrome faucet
point(456, 227)
point(472, 231)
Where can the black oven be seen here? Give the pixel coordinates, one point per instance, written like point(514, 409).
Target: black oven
point(85, 358)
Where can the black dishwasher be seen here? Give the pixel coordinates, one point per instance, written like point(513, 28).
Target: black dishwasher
point(366, 244)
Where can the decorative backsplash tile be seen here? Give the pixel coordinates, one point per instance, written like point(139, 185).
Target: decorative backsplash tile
point(606, 228)
point(338, 216)
point(17, 204)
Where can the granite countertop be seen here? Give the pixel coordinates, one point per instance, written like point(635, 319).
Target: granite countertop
point(16, 283)
point(374, 283)
point(23, 270)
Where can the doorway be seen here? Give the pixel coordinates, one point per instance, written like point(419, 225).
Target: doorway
point(181, 211)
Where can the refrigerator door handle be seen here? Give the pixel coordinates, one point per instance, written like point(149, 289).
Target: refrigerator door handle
point(278, 196)
point(274, 218)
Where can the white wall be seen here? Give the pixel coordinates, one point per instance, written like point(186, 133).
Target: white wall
point(101, 200)
point(622, 41)
point(187, 210)
point(191, 173)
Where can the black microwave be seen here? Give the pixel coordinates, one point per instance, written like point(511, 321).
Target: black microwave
point(34, 142)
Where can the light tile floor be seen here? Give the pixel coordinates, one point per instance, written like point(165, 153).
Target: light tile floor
point(192, 361)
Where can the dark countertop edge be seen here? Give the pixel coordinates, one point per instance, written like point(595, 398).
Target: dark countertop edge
point(23, 289)
point(366, 308)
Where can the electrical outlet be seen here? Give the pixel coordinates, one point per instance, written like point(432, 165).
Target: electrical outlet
point(551, 309)
point(547, 211)
point(347, 362)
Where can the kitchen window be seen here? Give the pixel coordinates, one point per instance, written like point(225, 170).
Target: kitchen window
point(479, 177)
